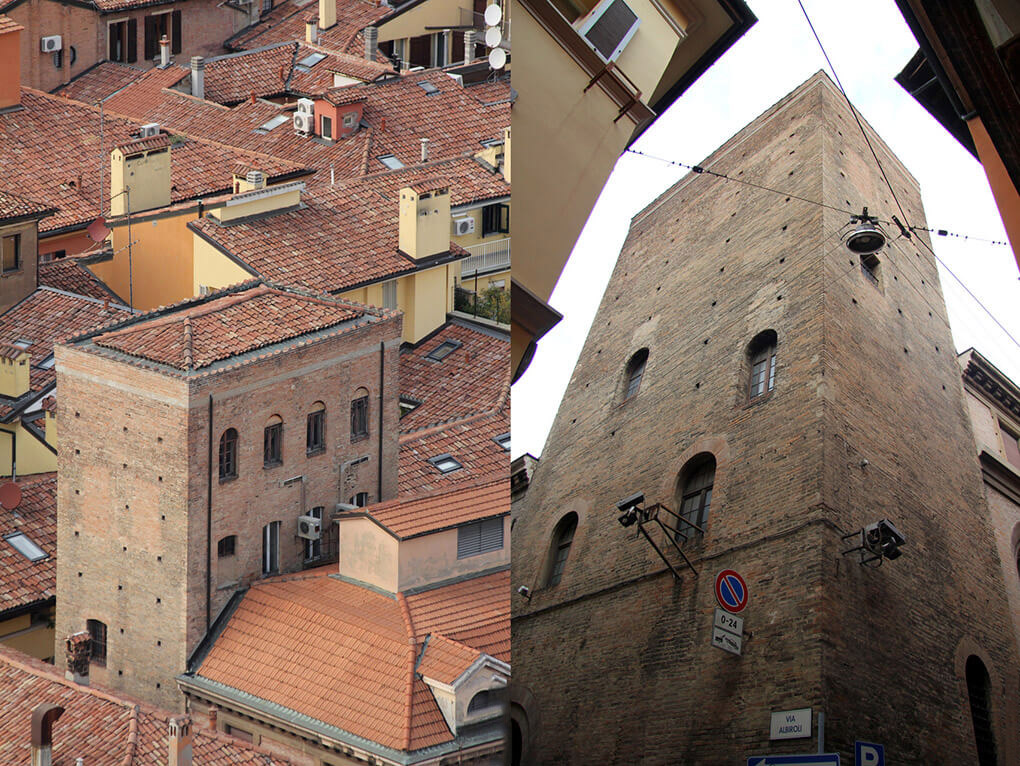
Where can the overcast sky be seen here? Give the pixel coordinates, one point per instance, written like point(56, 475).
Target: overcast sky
point(868, 43)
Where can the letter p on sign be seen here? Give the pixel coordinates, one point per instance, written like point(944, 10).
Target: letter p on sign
point(869, 754)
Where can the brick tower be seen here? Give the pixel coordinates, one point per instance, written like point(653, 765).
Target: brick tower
point(749, 371)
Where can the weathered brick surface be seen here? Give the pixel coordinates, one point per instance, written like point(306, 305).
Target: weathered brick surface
point(132, 495)
point(615, 661)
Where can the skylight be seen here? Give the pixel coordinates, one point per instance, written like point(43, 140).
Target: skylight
point(276, 122)
point(311, 60)
point(23, 545)
point(408, 405)
point(22, 343)
point(503, 440)
point(428, 87)
point(390, 161)
point(443, 350)
point(47, 363)
point(445, 463)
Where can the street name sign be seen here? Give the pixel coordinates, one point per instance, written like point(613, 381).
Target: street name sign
point(819, 759)
point(791, 724)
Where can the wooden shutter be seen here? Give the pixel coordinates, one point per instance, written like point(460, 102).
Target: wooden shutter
point(175, 33)
point(132, 40)
point(150, 38)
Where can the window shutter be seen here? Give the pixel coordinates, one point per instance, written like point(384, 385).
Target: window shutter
point(175, 34)
point(468, 539)
point(132, 40)
point(150, 37)
point(490, 535)
point(612, 30)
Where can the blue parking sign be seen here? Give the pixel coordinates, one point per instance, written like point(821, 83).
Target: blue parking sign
point(868, 754)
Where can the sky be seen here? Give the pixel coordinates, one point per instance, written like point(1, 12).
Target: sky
point(868, 43)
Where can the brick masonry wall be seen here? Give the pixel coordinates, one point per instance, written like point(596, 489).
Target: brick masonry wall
point(615, 661)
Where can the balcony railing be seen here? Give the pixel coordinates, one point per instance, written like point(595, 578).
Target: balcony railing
point(486, 258)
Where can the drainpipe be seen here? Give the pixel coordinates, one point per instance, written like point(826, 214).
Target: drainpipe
point(382, 359)
point(208, 526)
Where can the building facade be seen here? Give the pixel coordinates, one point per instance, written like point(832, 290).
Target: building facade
point(752, 374)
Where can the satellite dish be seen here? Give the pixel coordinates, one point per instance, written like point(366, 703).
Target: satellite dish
point(497, 58)
point(493, 15)
point(493, 36)
point(10, 495)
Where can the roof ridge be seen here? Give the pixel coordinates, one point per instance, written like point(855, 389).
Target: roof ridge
point(412, 643)
point(461, 644)
point(132, 742)
point(428, 430)
point(486, 480)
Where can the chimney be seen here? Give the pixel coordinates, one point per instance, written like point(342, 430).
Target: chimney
point(424, 149)
point(164, 52)
point(371, 43)
point(256, 179)
point(14, 370)
point(44, 715)
point(198, 77)
point(327, 14)
point(469, 45)
point(180, 741)
point(213, 711)
point(78, 648)
point(10, 62)
point(312, 31)
point(140, 175)
point(424, 220)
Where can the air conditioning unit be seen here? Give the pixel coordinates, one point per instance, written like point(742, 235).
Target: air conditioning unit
point(304, 123)
point(462, 226)
point(51, 44)
point(609, 28)
point(305, 106)
point(309, 527)
point(150, 129)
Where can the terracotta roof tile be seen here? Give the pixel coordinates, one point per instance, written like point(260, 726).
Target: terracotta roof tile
point(14, 206)
point(409, 516)
point(319, 77)
point(44, 318)
point(145, 92)
point(199, 333)
point(96, 724)
point(23, 581)
point(475, 612)
point(264, 71)
point(471, 442)
point(7, 24)
point(286, 23)
point(445, 660)
point(100, 81)
point(72, 276)
point(142, 145)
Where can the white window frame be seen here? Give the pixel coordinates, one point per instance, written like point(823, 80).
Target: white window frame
point(592, 18)
point(271, 548)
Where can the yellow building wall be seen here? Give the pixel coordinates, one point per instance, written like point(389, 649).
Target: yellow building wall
point(213, 269)
point(434, 13)
point(33, 457)
point(140, 182)
point(481, 284)
point(476, 238)
point(425, 297)
point(35, 640)
point(14, 374)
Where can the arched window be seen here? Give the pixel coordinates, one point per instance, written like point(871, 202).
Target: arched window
point(485, 699)
point(226, 546)
point(315, 437)
point(981, 710)
point(694, 490)
point(761, 353)
point(562, 539)
point(635, 371)
point(228, 455)
point(272, 442)
point(359, 414)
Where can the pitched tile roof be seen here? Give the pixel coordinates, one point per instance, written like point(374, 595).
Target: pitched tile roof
point(97, 725)
point(141, 145)
point(468, 180)
point(474, 378)
point(262, 71)
point(13, 206)
point(72, 276)
point(44, 318)
point(445, 660)
point(7, 24)
point(286, 23)
point(197, 333)
point(470, 441)
point(319, 78)
point(23, 581)
point(100, 81)
point(421, 514)
point(50, 126)
point(145, 92)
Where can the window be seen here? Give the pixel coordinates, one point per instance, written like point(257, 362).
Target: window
point(440, 57)
point(503, 440)
point(443, 350)
point(225, 547)
point(359, 416)
point(563, 538)
point(762, 354)
point(155, 27)
point(123, 39)
point(275, 122)
point(241, 734)
point(495, 219)
point(271, 548)
point(350, 119)
point(1011, 445)
point(445, 463)
point(696, 491)
point(11, 253)
point(313, 548)
point(228, 455)
point(870, 268)
point(360, 499)
point(980, 710)
point(97, 632)
point(408, 405)
point(267, 6)
point(325, 126)
point(311, 60)
point(635, 371)
point(24, 545)
point(609, 28)
point(315, 438)
point(480, 537)
point(390, 161)
point(272, 442)
point(426, 86)
point(487, 699)
point(389, 294)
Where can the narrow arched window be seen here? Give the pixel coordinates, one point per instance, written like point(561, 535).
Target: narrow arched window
point(359, 414)
point(315, 436)
point(97, 632)
point(635, 371)
point(228, 455)
point(563, 538)
point(762, 355)
point(272, 442)
point(981, 711)
point(695, 491)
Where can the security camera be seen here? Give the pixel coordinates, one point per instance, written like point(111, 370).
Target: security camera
point(883, 539)
point(525, 591)
point(630, 503)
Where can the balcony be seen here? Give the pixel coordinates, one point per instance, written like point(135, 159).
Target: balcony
point(486, 258)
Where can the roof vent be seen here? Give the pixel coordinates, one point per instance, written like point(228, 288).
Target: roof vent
point(256, 178)
point(865, 238)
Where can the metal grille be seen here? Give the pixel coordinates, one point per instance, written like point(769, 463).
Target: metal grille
point(480, 537)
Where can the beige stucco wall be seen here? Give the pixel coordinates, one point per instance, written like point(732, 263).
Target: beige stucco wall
point(432, 558)
point(434, 13)
point(368, 553)
point(33, 457)
point(212, 268)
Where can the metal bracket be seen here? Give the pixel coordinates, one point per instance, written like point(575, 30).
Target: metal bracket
point(650, 515)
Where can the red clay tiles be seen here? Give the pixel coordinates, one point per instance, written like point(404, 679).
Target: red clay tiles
point(410, 516)
point(13, 206)
point(23, 581)
point(235, 77)
point(100, 81)
point(145, 92)
point(7, 24)
point(72, 276)
point(445, 660)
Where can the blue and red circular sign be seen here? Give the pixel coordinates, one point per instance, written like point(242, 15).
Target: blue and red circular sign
point(731, 591)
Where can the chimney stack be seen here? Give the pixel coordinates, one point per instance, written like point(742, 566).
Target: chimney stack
point(424, 220)
point(371, 43)
point(424, 149)
point(312, 31)
point(44, 715)
point(10, 62)
point(256, 179)
point(164, 52)
point(78, 649)
point(14, 370)
point(180, 741)
point(469, 45)
point(198, 77)
point(327, 14)
point(213, 711)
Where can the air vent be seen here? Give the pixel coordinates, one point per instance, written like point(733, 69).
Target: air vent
point(609, 28)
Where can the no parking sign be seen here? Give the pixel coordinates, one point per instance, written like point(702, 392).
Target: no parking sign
point(731, 591)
